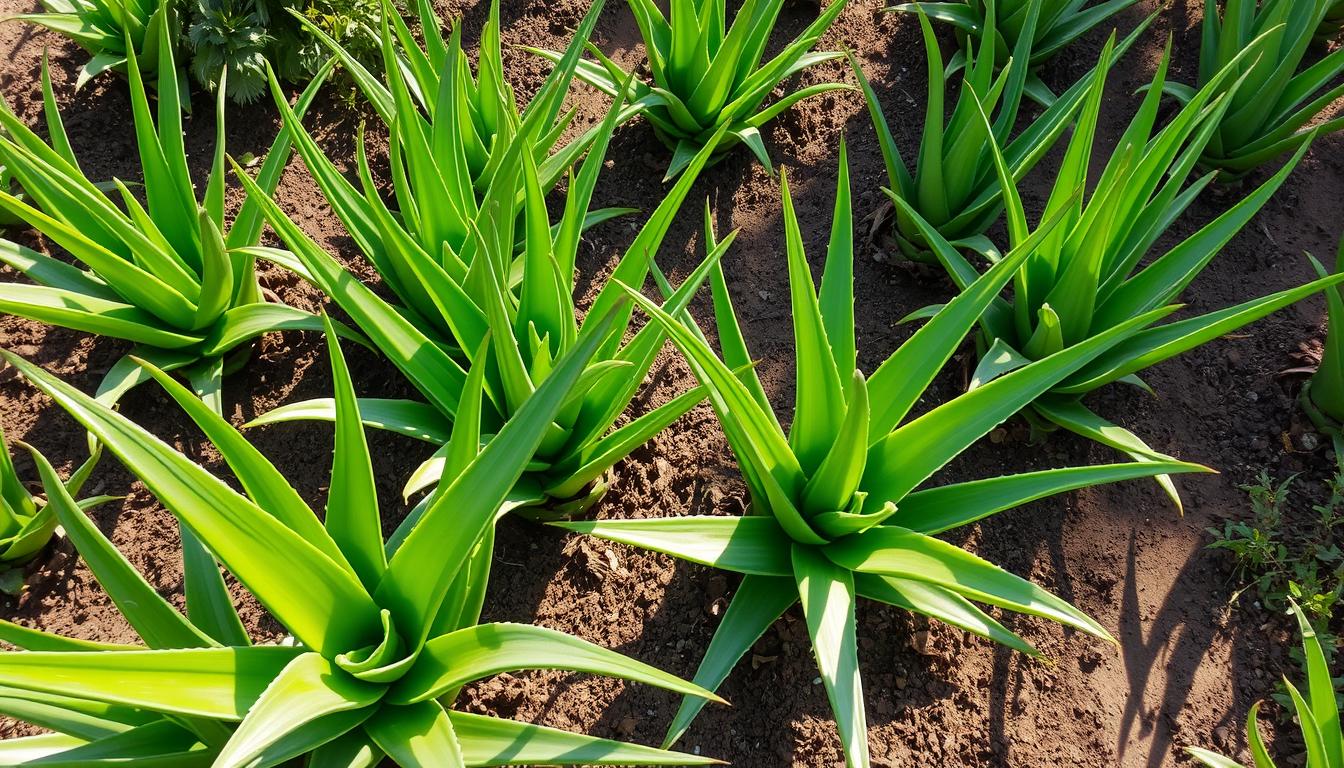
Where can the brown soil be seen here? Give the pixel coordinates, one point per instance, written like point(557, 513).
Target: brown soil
point(1190, 661)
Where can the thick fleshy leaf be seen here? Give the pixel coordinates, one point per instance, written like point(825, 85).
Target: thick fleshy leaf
point(831, 487)
point(218, 683)
point(351, 750)
point(82, 718)
point(260, 479)
point(903, 377)
point(90, 314)
point(942, 604)
point(244, 323)
point(826, 592)
point(438, 376)
point(37, 640)
point(352, 501)
point(159, 744)
point(917, 449)
point(152, 617)
point(1072, 415)
point(417, 736)
point(935, 510)
point(836, 295)
point(455, 659)
point(421, 570)
point(1320, 691)
point(819, 405)
point(236, 530)
point(405, 417)
point(293, 710)
point(753, 544)
point(893, 551)
point(753, 430)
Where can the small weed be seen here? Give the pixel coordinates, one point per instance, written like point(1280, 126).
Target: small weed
point(1291, 548)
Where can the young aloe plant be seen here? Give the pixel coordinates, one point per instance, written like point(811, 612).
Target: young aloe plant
point(1089, 275)
point(1043, 27)
point(384, 634)
point(481, 306)
point(1273, 96)
point(1322, 395)
point(117, 34)
point(1316, 713)
point(706, 77)
point(28, 522)
point(450, 131)
point(168, 275)
point(835, 514)
point(953, 184)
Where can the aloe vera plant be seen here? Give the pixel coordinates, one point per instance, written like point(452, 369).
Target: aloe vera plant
point(168, 275)
point(1042, 27)
point(1274, 96)
point(708, 75)
point(449, 130)
point(384, 633)
point(117, 34)
point(482, 305)
point(1090, 275)
point(953, 184)
point(1315, 709)
point(835, 511)
point(27, 522)
point(1322, 396)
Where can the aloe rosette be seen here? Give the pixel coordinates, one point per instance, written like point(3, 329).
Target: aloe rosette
point(953, 183)
point(837, 509)
point(119, 35)
point(1093, 272)
point(708, 75)
point(504, 301)
point(170, 274)
point(1043, 27)
point(1275, 96)
point(383, 633)
point(450, 130)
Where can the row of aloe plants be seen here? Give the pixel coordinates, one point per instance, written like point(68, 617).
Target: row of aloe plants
point(525, 401)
